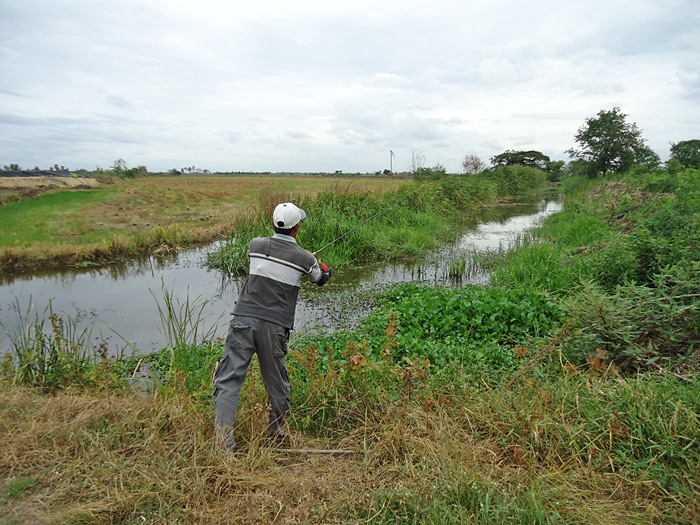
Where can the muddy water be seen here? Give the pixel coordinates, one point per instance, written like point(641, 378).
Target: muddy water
point(120, 304)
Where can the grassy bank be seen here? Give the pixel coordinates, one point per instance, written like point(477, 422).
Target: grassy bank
point(152, 215)
point(564, 393)
point(398, 224)
point(578, 448)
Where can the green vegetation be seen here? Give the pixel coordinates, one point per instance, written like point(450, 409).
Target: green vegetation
point(626, 262)
point(532, 158)
point(406, 222)
point(565, 392)
point(686, 153)
point(50, 352)
point(608, 144)
point(475, 325)
point(43, 220)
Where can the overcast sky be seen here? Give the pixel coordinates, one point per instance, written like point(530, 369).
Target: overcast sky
point(312, 86)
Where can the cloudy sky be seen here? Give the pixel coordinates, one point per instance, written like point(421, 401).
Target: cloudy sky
point(311, 86)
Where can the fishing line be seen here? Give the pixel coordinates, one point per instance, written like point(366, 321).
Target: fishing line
point(349, 232)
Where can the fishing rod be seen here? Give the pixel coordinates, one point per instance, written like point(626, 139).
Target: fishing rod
point(348, 232)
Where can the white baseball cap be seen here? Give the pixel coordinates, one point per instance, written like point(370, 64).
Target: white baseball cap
point(287, 215)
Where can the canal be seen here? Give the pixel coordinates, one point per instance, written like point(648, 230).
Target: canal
point(121, 306)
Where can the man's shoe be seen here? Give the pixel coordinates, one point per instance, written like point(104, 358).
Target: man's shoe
point(280, 439)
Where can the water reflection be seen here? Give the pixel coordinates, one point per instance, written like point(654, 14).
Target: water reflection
point(121, 301)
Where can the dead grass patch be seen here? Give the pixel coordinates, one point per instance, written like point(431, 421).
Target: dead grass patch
point(106, 457)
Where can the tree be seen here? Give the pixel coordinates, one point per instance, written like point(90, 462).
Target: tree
point(417, 161)
point(532, 158)
point(436, 173)
point(473, 165)
point(608, 143)
point(555, 170)
point(687, 152)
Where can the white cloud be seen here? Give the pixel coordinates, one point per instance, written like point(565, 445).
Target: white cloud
point(315, 86)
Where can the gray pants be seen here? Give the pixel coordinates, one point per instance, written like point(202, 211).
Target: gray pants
point(247, 336)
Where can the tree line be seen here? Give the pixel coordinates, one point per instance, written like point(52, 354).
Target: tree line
point(606, 144)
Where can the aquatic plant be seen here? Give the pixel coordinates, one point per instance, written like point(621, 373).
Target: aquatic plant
point(50, 350)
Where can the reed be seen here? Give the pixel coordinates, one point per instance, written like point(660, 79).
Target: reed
point(399, 224)
point(50, 350)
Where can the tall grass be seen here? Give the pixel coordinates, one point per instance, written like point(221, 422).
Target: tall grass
point(190, 353)
point(405, 223)
point(627, 261)
point(558, 446)
point(50, 350)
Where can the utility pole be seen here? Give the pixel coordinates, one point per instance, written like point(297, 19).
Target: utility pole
point(391, 161)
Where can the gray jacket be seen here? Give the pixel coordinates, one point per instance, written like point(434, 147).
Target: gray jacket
point(277, 266)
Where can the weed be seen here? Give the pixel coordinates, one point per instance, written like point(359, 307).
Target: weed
point(405, 223)
point(51, 351)
point(18, 486)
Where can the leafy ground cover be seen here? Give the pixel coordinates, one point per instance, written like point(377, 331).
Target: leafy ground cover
point(561, 393)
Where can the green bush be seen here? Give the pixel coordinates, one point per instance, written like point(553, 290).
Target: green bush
point(613, 263)
point(671, 233)
point(636, 327)
point(516, 180)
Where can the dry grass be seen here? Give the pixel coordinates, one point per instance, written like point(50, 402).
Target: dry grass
point(101, 457)
point(153, 215)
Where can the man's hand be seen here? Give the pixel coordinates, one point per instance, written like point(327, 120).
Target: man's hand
point(325, 275)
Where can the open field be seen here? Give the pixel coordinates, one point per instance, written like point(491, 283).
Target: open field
point(104, 222)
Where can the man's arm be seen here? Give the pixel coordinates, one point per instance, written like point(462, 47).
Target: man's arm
point(320, 273)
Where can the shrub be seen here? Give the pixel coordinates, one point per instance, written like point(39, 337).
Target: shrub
point(636, 327)
point(671, 233)
point(516, 180)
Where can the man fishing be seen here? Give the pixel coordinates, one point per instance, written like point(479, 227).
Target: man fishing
point(262, 320)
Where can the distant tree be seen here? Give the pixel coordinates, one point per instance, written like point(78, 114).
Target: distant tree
point(473, 165)
point(174, 172)
point(532, 158)
point(555, 170)
point(417, 161)
point(436, 173)
point(609, 144)
point(687, 152)
point(12, 167)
